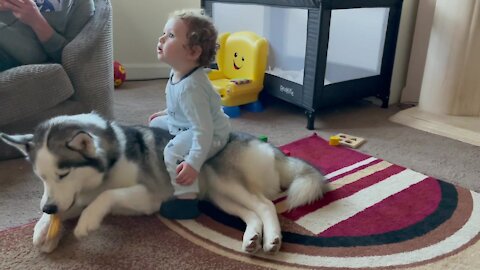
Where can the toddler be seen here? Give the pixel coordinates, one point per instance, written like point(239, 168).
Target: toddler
point(193, 114)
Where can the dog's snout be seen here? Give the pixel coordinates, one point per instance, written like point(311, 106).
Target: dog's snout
point(50, 209)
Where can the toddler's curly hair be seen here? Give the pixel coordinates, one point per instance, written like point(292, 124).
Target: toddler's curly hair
point(201, 32)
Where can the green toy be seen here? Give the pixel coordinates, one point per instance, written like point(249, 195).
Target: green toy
point(263, 138)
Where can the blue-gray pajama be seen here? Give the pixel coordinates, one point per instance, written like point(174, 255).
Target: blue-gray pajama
point(197, 120)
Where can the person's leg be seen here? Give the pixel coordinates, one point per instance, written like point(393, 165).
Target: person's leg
point(174, 154)
point(185, 203)
point(217, 145)
point(6, 61)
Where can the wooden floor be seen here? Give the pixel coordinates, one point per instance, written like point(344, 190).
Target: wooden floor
point(462, 128)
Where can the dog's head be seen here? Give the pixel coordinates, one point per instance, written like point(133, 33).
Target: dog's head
point(68, 154)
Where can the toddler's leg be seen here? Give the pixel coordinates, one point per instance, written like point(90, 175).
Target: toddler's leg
point(185, 205)
point(174, 154)
point(217, 145)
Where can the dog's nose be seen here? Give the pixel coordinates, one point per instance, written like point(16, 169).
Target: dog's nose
point(50, 209)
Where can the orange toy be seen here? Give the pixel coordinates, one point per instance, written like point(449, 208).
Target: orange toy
point(54, 228)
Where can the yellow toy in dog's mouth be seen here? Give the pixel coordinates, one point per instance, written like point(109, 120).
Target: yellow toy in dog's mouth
point(54, 228)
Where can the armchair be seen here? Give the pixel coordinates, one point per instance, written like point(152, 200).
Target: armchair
point(82, 82)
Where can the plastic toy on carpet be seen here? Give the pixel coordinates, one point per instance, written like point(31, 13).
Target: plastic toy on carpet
point(119, 74)
point(346, 140)
point(54, 228)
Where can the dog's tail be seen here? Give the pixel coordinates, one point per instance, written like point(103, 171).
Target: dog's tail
point(305, 183)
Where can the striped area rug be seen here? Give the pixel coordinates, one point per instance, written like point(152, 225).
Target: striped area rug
point(375, 215)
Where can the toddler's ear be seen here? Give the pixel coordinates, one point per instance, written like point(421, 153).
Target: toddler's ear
point(195, 52)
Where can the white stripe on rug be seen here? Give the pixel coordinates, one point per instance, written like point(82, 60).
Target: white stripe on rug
point(348, 179)
point(350, 168)
point(340, 210)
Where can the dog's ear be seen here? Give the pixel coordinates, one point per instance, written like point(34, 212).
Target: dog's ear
point(84, 143)
point(21, 142)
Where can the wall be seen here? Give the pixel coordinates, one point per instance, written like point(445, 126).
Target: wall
point(136, 28)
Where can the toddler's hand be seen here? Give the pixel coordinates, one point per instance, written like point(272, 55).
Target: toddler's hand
point(157, 114)
point(186, 174)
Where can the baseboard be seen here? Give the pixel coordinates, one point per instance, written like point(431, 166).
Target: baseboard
point(146, 71)
point(462, 128)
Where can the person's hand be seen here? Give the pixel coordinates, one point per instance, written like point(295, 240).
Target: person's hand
point(186, 174)
point(2, 8)
point(155, 115)
point(25, 11)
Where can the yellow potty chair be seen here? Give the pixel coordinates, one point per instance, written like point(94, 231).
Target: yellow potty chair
point(241, 60)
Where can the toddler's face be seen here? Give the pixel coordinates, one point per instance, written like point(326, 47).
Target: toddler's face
point(172, 45)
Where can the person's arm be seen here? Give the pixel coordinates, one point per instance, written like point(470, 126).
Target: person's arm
point(196, 107)
point(2, 8)
point(27, 12)
point(77, 16)
point(157, 114)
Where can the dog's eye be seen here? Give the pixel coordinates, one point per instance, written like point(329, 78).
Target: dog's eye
point(63, 174)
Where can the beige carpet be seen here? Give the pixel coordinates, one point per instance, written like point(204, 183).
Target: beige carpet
point(121, 243)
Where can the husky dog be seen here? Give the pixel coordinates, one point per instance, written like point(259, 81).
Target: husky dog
point(91, 167)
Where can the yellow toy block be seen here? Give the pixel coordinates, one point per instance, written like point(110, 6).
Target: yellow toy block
point(350, 141)
point(334, 141)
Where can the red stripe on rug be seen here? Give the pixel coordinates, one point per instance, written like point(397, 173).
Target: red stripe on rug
point(326, 158)
point(343, 192)
point(394, 213)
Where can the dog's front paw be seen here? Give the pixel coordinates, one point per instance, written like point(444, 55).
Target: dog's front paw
point(273, 245)
point(40, 235)
point(252, 237)
point(272, 238)
point(89, 221)
point(252, 242)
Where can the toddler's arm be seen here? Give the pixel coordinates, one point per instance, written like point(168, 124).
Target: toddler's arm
point(157, 114)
